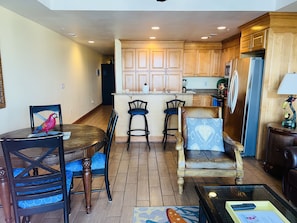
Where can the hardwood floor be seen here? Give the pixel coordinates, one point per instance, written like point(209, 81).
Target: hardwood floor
point(139, 177)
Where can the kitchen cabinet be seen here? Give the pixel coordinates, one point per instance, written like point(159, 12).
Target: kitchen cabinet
point(230, 50)
point(159, 64)
point(253, 42)
point(135, 65)
point(166, 69)
point(202, 61)
point(202, 100)
point(278, 138)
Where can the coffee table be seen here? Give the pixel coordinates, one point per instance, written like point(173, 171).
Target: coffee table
point(212, 201)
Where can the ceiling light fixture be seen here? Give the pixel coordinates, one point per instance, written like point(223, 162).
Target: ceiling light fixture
point(72, 34)
point(221, 27)
point(91, 41)
point(161, 0)
point(155, 27)
point(152, 37)
point(205, 37)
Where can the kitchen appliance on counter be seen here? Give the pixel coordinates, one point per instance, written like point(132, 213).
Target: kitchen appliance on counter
point(184, 89)
point(244, 94)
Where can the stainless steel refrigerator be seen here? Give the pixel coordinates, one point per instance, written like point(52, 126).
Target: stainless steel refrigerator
point(242, 114)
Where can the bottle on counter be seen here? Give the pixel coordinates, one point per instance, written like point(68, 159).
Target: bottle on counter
point(145, 88)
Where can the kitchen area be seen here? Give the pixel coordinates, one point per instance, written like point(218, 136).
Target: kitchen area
point(169, 70)
point(164, 64)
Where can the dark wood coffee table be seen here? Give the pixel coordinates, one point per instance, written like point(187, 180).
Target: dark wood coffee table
point(212, 201)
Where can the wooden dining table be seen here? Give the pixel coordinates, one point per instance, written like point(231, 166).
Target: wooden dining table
point(84, 140)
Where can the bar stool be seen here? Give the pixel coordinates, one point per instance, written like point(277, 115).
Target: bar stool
point(169, 111)
point(138, 107)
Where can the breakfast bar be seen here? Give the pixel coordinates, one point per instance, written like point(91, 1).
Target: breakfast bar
point(156, 106)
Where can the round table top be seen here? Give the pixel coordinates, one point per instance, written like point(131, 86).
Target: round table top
point(82, 136)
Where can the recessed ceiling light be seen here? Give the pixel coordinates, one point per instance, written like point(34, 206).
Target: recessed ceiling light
point(91, 41)
point(155, 27)
point(204, 37)
point(72, 34)
point(152, 37)
point(221, 27)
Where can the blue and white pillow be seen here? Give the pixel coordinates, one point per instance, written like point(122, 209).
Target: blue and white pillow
point(205, 134)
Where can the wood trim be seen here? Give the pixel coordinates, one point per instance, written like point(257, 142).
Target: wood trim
point(90, 113)
point(152, 44)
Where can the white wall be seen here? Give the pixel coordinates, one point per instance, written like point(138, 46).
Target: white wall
point(40, 66)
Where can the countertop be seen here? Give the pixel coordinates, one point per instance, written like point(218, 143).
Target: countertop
point(188, 92)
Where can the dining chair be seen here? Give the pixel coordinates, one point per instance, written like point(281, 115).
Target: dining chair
point(41, 110)
point(33, 194)
point(99, 161)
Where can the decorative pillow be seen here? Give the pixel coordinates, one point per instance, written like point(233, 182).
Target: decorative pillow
point(205, 134)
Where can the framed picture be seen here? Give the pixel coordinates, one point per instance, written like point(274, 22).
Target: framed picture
point(2, 96)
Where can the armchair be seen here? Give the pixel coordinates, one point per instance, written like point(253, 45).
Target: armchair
point(204, 150)
point(290, 176)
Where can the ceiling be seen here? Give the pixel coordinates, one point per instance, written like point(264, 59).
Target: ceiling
point(186, 20)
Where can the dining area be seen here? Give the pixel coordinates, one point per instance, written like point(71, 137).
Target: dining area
point(32, 158)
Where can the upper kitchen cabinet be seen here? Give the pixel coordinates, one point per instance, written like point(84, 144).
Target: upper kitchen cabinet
point(135, 65)
point(254, 35)
point(158, 63)
point(202, 60)
point(230, 50)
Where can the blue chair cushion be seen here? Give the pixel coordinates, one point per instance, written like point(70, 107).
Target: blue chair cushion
point(98, 162)
point(205, 134)
point(17, 171)
point(47, 200)
point(138, 111)
point(171, 111)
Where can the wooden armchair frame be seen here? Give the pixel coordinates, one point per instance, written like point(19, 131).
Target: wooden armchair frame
point(232, 148)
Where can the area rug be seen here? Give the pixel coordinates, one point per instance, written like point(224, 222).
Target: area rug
point(158, 214)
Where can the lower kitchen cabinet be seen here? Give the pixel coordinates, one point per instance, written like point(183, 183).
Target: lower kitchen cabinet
point(202, 100)
point(278, 138)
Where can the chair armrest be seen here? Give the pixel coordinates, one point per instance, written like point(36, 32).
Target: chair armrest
point(290, 155)
point(181, 162)
point(232, 148)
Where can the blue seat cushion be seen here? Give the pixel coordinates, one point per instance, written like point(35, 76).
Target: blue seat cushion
point(47, 200)
point(171, 111)
point(138, 111)
point(98, 162)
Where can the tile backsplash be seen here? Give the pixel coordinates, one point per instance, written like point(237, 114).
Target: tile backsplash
point(202, 82)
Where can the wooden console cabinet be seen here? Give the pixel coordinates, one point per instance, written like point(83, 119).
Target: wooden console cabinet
point(278, 138)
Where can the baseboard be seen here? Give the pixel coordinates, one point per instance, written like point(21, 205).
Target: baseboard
point(86, 115)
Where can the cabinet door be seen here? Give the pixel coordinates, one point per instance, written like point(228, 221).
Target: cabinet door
point(172, 81)
point(141, 77)
point(203, 62)
point(142, 59)
point(158, 59)
point(202, 100)
point(157, 81)
point(129, 80)
point(189, 62)
point(128, 59)
point(258, 40)
point(215, 64)
point(174, 59)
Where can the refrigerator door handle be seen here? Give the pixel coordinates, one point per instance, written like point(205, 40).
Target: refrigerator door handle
point(233, 92)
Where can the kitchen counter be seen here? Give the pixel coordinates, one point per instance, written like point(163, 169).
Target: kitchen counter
point(189, 91)
point(156, 105)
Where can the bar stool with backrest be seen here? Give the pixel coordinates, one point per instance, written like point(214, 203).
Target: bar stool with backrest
point(169, 112)
point(138, 107)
